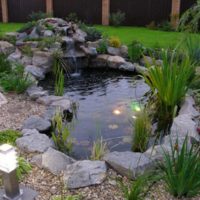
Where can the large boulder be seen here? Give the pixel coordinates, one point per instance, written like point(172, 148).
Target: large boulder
point(34, 143)
point(15, 56)
point(6, 47)
point(37, 72)
point(84, 173)
point(115, 61)
point(53, 160)
point(38, 123)
point(127, 66)
point(128, 163)
point(34, 92)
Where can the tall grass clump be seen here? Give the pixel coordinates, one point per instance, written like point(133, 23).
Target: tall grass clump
point(61, 134)
point(169, 84)
point(5, 65)
point(141, 131)
point(182, 171)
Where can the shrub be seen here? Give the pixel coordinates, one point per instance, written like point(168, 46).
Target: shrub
point(136, 50)
point(27, 27)
point(9, 136)
point(23, 168)
point(114, 42)
point(93, 34)
point(72, 17)
point(182, 170)
point(102, 47)
point(116, 19)
point(169, 84)
point(142, 131)
point(61, 134)
point(99, 149)
point(5, 65)
point(189, 21)
point(16, 80)
point(35, 16)
point(165, 26)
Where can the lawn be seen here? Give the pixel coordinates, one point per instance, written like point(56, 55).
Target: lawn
point(150, 38)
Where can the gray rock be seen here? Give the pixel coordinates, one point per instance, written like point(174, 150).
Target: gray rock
point(15, 57)
point(115, 61)
point(48, 100)
point(127, 66)
point(22, 36)
point(124, 51)
point(63, 104)
point(3, 99)
point(38, 123)
point(84, 173)
point(37, 72)
point(114, 51)
point(26, 132)
point(49, 113)
point(55, 161)
point(140, 69)
point(34, 34)
point(12, 34)
point(26, 60)
point(6, 48)
point(34, 143)
point(34, 92)
point(146, 60)
point(183, 125)
point(37, 160)
point(100, 61)
point(128, 163)
point(90, 51)
point(188, 107)
point(48, 33)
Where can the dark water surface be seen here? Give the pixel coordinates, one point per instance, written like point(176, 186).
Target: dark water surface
point(104, 108)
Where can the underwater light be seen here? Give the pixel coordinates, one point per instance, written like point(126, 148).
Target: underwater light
point(135, 106)
point(116, 112)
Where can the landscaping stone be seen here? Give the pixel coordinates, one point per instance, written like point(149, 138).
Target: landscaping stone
point(115, 61)
point(49, 113)
point(127, 66)
point(34, 143)
point(183, 125)
point(26, 132)
point(37, 72)
point(124, 51)
point(140, 69)
point(84, 173)
point(34, 92)
point(48, 33)
point(128, 163)
point(34, 34)
point(113, 51)
point(188, 107)
point(90, 51)
point(26, 60)
point(15, 57)
point(6, 48)
point(53, 160)
point(38, 123)
point(100, 61)
point(63, 104)
point(3, 99)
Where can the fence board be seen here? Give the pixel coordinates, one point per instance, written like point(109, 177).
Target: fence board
point(89, 11)
point(0, 12)
point(19, 10)
point(185, 4)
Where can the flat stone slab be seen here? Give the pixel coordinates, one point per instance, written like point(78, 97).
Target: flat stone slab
point(37, 72)
point(34, 92)
point(26, 132)
point(3, 99)
point(84, 173)
point(38, 123)
point(53, 160)
point(34, 143)
point(128, 163)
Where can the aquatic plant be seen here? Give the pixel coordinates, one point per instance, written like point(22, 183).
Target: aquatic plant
point(59, 83)
point(181, 170)
point(99, 149)
point(141, 131)
point(169, 84)
point(135, 51)
point(61, 134)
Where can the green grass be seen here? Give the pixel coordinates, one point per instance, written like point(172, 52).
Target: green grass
point(150, 38)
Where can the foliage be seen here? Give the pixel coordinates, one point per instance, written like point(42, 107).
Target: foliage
point(102, 47)
point(165, 26)
point(23, 168)
point(8, 38)
point(72, 17)
point(9, 136)
point(99, 149)
point(15, 81)
point(182, 170)
point(142, 131)
point(93, 34)
point(136, 50)
point(189, 21)
point(61, 134)
point(27, 50)
point(169, 84)
point(35, 16)
point(47, 42)
point(114, 42)
point(27, 27)
point(59, 84)
point(5, 65)
point(116, 19)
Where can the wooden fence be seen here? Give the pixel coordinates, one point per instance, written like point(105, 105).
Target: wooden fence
point(138, 12)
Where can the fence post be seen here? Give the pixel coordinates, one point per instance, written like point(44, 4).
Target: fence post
point(105, 12)
point(4, 8)
point(175, 12)
point(49, 6)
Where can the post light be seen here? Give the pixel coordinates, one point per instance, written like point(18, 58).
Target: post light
point(8, 165)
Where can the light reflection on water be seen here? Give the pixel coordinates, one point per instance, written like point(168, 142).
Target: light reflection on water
point(104, 100)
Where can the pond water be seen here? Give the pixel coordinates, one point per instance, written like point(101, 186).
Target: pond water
point(104, 101)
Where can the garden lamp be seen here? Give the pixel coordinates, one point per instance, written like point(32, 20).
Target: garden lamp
point(8, 165)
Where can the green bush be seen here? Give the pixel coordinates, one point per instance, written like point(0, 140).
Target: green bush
point(169, 84)
point(102, 47)
point(47, 42)
point(5, 65)
point(15, 81)
point(116, 19)
point(165, 26)
point(114, 42)
point(35, 16)
point(72, 17)
point(9, 136)
point(61, 134)
point(142, 131)
point(27, 27)
point(136, 50)
point(182, 170)
point(23, 168)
